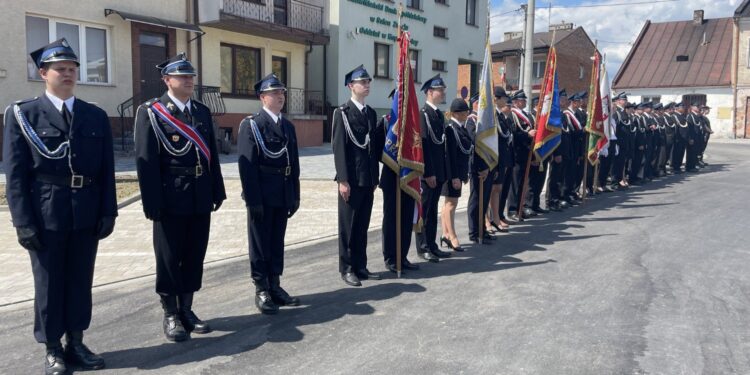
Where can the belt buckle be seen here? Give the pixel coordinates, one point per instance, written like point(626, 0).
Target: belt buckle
point(198, 170)
point(287, 170)
point(76, 181)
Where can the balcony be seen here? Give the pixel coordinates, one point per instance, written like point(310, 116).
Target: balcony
point(301, 102)
point(289, 20)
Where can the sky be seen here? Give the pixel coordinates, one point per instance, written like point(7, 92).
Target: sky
point(615, 26)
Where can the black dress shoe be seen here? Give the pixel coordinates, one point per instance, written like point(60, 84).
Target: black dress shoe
point(365, 274)
point(527, 213)
point(192, 323)
point(350, 279)
point(440, 254)
point(539, 210)
point(428, 256)
point(409, 265)
point(264, 303)
point(173, 328)
point(392, 268)
point(54, 361)
point(563, 204)
point(279, 296)
point(79, 355)
point(554, 206)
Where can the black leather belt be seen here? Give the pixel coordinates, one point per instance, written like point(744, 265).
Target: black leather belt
point(283, 171)
point(74, 181)
point(186, 171)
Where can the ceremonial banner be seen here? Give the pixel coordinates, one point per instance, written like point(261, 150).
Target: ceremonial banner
point(486, 137)
point(595, 127)
point(549, 121)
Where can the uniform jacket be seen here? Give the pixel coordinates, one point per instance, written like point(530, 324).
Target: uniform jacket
point(164, 189)
point(57, 207)
point(457, 161)
point(682, 128)
point(269, 189)
point(506, 152)
point(357, 166)
point(521, 138)
point(434, 152)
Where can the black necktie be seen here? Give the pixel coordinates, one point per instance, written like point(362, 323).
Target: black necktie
point(67, 116)
point(186, 112)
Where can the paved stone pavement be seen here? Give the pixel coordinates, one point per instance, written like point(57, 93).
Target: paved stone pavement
point(128, 252)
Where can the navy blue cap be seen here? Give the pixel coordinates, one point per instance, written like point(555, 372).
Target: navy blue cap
point(696, 104)
point(629, 105)
point(583, 95)
point(705, 107)
point(520, 94)
point(563, 93)
point(358, 74)
point(500, 92)
point(459, 105)
point(644, 105)
point(435, 82)
point(268, 83)
point(658, 106)
point(574, 97)
point(669, 105)
point(474, 98)
point(679, 105)
point(535, 101)
point(58, 50)
point(621, 95)
point(177, 66)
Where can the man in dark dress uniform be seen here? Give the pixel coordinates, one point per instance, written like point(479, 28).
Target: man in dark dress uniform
point(705, 110)
point(523, 140)
point(60, 186)
point(681, 137)
point(574, 167)
point(652, 142)
point(623, 123)
point(506, 152)
point(560, 159)
point(435, 173)
point(357, 143)
point(639, 151)
point(181, 184)
point(695, 125)
point(269, 171)
point(479, 173)
point(669, 136)
point(389, 185)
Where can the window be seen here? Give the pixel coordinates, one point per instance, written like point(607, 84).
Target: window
point(414, 4)
point(748, 54)
point(652, 98)
point(440, 32)
point(240, 69)
point(471, 12)
point(414, 58)
point(441, 2)
point(382, 60)
point(438, 66)
point(90, 43)
point(538, 68)
point(581, 71)
point(696, 98)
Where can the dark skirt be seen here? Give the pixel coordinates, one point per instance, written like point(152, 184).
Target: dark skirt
point(449, 191)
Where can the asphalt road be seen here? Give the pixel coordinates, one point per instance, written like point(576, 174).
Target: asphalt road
point(649, 281)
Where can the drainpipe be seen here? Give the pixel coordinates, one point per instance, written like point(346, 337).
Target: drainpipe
point(199, 44)
point(308, 50)
point(735, 68)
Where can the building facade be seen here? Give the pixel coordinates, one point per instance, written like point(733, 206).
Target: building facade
point(741, 72)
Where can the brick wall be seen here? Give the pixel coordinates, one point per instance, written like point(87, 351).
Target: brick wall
point(574, 52)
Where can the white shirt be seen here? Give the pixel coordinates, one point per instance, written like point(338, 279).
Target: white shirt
point(274, 117)
point(432, 105)
point(58, 103)
point(359, 105)
point(463, 124)
point(180, 104)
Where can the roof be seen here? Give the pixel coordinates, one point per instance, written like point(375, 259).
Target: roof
point(541, 41)
point(742, 9)
point(652, 61)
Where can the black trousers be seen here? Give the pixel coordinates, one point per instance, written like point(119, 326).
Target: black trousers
point(507, 173)
point(666, 154)
point(63, 274)
point(605, 165)
point(516, 183)
point(691, 155)
point(473, 208)
point(536, 184)
point(637, 163)
point(426, 240)
point(180, 243)
point(267, 244)
point(678, 153)
point(556, 179)
point(573, 177)
point(620, 161)
point(354, 219)
point(389, 218)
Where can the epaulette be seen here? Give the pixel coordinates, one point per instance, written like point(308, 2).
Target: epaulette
point(24, 101)
point(251, 116)
point(149, 102)
point(198, 102)
point(344, 107)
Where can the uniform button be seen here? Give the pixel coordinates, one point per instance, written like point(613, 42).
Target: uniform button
point(74, 191)
point(74, 155)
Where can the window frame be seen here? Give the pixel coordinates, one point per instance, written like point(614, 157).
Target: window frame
point(473, 14)
point(748, 54)
point(436, 28)
point(82, 53)
point(259, 71)
point(442, 2)
point(444, 63)
point(387, 61)
point(542, 65)
point(415, 69)
point(418, 7)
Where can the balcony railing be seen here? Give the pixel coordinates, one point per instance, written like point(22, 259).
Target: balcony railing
point(299, 102)
point(299, 15)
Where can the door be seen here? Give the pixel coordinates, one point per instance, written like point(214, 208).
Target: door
point(279, 67)
point(153, 51)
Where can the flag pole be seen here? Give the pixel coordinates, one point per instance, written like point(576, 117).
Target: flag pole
point(592, 89)
point(481, 221)
point(525, 181)
point(398, 174)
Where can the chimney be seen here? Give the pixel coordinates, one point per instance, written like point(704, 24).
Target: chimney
point(698, 17)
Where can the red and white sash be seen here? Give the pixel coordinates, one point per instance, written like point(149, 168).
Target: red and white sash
point(186, 130)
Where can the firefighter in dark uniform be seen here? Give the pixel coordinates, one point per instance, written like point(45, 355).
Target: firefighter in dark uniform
point(460, 148)
point(435, 172)
point(480, 173)
point(523, 141)
point(388, 184)
point(506, 154)
point(357, 147)
point(623, 123)
point(652, 142)
point(695, 125)
point(60, 186)
point(560, 159)
point(269, 171)
point(706, 134)
point(669, 136)
point(580, 150)
point(181, 184)
point(639, 151)
point(574, 165)
point(681, 137)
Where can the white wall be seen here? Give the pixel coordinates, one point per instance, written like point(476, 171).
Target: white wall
point(348, 48)
point(719, 99)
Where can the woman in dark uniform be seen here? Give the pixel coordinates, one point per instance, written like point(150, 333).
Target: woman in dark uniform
point(459, 148)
